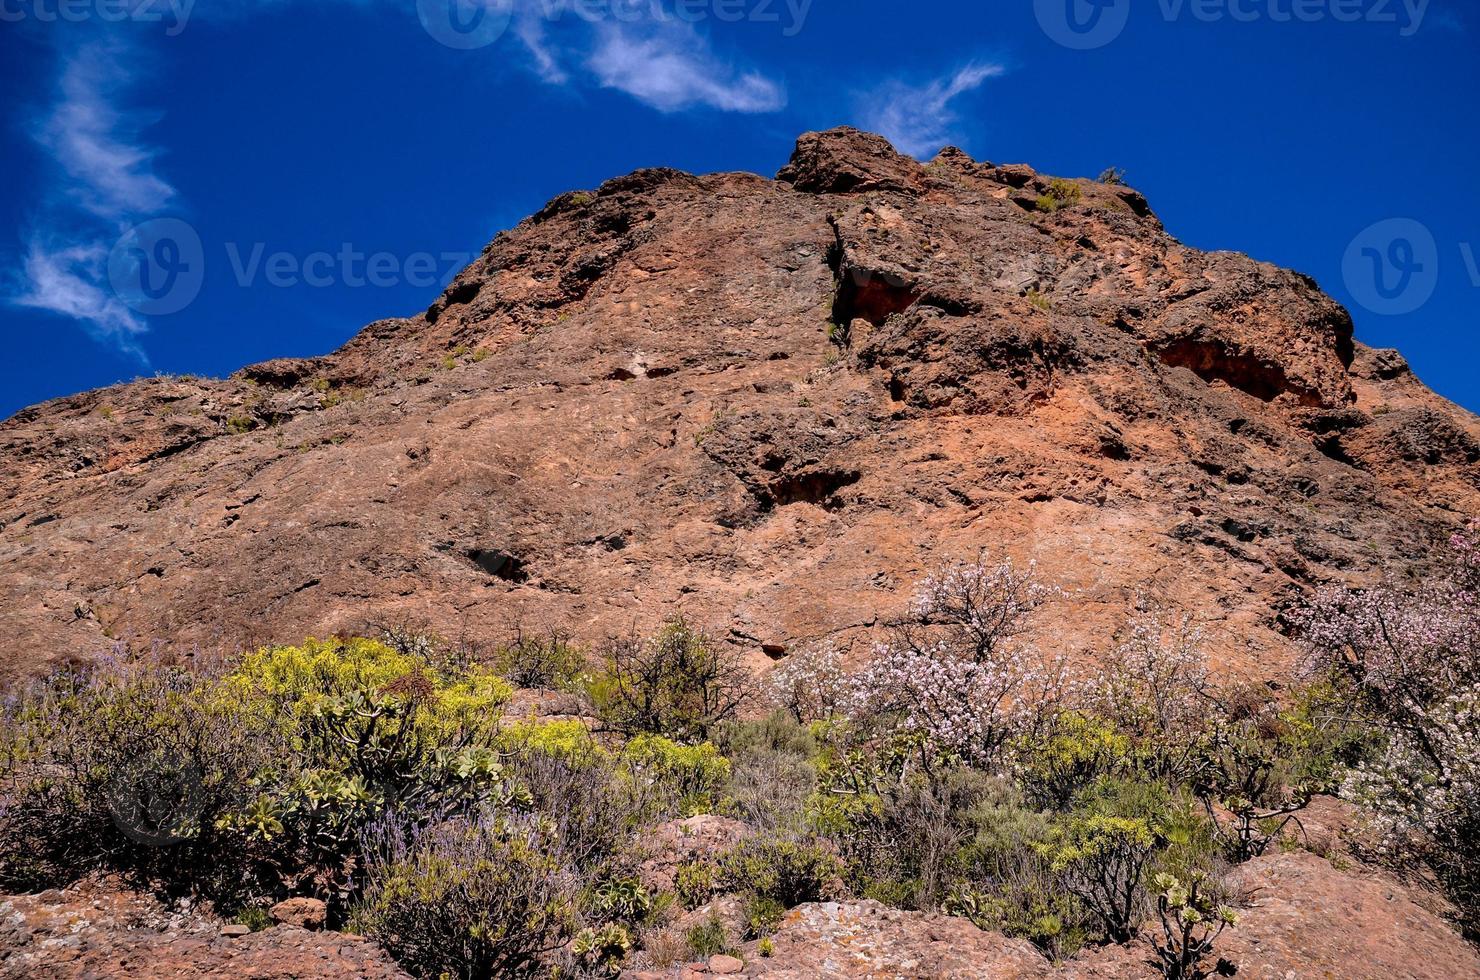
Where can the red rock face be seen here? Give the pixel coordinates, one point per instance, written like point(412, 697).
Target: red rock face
point(634, 403)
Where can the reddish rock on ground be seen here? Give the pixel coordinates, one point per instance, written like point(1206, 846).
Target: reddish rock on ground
point(833, 941)
point(1303, 918)
point(97, 930)
point(305, 913)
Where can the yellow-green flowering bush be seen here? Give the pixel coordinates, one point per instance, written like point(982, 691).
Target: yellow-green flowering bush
point(1103, 860)
point(1077, 749)
point(569, 740)
point(371, 729)
point(679, 779)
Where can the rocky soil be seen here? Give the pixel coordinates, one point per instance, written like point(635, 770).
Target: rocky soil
point(631, 405)
point(1301, 918)
point(97, 929)
point(1312, 910)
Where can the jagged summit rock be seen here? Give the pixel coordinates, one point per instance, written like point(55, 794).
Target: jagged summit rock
point(771, 404)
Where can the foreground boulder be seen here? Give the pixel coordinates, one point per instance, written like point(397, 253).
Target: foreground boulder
point(865, 939)
point(99, 930)
point(1301, 917)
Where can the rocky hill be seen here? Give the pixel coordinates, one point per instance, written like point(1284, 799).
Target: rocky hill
point(768, 403)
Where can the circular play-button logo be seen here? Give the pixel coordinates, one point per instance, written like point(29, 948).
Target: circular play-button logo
point(1392, 267)
point(155, 800)
point(465, 24)
point(157, 267)
point(1082, 24)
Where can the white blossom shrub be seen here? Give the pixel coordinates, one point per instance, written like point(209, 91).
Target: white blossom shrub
point(954, 674)
point(812, 685)
point(1413, 657)
point(1154, 688)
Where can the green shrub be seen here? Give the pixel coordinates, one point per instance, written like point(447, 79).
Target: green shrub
point(763, 915)
point(549, 661)
point(1260, 768)
point(587, 804)
point(771, 775)
point(902, 845)
point(255, 918)
point(789, 872)
point(709, 939)
point(675, 779)
point(839, 816)
point(1103, 861)
point(695, 882)
point(372, 729)
point(1061, 194)
point(467, 899)
point(1076, 751)
point(1007, 885)
point(127, 766)
point(1030, 908)
point(680, 684)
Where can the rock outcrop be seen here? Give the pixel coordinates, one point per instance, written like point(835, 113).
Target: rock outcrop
point(1301, 917)
point(833, 941)
point(97, 929)
point(770, 404)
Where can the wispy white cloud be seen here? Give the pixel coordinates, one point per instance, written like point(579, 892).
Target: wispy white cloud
point(103, 181)
point(104, 172)
point(72, 281)
point(640, 47)
point(673, 67)
point(111, 174)
point(920, 119)
point(530, 27)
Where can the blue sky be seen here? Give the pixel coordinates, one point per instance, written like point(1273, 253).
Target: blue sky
point(298, 139)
